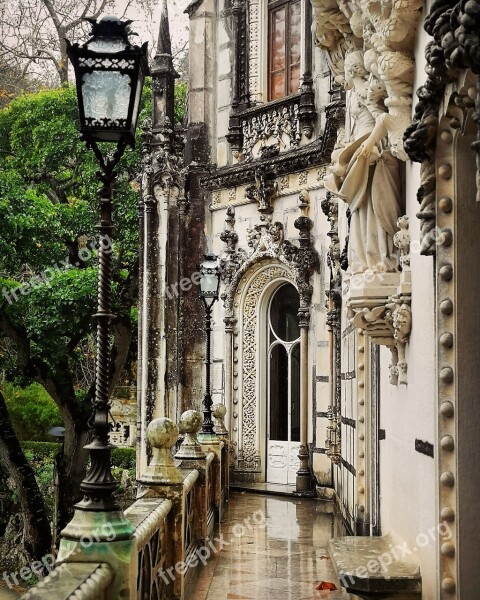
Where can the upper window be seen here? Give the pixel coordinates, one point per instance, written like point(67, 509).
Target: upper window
point(284, 43)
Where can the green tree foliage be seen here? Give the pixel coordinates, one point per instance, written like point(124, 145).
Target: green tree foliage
point(32, 412)
point(48, 211)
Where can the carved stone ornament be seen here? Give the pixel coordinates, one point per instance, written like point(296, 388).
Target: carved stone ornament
point(370, 52)
point(382, 308)
point(454, 49)
point(334, 304)
point(273, 257)
point(267, 131)
point(263, 190)
point(163, 171)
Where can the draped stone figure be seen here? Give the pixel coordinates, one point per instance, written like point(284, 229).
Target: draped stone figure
point(365, 174)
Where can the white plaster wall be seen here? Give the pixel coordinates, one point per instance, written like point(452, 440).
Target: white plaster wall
point(408, 478)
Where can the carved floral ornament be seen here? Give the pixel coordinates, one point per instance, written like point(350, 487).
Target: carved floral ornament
point(162, 170)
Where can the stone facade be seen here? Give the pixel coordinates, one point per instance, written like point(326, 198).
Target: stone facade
point(321, 190)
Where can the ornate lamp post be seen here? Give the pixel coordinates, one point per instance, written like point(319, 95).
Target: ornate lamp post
point(209, 286)
point(109, 73)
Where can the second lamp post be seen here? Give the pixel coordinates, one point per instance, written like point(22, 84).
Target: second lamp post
point(209, 287)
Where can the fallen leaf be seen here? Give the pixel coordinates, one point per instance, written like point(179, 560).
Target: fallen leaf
point(326, 585)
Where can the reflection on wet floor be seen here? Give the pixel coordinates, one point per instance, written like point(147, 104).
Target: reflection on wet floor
point(277, 546)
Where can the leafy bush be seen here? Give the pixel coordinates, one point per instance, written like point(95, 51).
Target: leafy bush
point(124, 458)
point(40, 451)
point(32, 411)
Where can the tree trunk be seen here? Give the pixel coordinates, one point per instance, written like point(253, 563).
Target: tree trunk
point(36, 527)
point(71, 469)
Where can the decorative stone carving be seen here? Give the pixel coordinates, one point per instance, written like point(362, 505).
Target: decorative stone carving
point(387, 324)
point(402, 241)
point(163, 172)
point(455, 28)
point(401, 318)
point(365, 174)
point(334, 304)
point(263, 190)
point(333, 441)
point(370, 50)
point(231, 261)
point(274, 128)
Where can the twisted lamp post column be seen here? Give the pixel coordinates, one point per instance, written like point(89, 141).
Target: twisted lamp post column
point(99, 485)
point(207, 425)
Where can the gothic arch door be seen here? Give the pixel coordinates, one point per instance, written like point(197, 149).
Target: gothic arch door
point(283, 386)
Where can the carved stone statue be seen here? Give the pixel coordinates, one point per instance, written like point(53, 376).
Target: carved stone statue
point(366, 175)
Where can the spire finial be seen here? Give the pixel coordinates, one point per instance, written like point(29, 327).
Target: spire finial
point(164, 45)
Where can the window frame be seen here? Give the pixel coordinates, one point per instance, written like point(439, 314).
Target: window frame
point(272, 7)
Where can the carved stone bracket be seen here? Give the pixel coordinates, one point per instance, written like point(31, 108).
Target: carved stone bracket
point(380, 305)
point(263, 190)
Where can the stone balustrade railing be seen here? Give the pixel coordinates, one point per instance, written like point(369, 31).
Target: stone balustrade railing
point(179, 500)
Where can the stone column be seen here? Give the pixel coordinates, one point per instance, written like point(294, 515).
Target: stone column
point(303, 482)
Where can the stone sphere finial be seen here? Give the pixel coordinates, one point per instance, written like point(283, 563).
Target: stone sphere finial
point(219, 411)
point(162, 434)
point(190, 424)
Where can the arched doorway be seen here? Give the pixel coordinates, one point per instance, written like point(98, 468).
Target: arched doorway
point(283, 386)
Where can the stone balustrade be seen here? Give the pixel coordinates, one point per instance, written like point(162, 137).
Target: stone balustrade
point(179, 500)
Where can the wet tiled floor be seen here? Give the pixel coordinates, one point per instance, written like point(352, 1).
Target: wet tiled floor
point(276, 548)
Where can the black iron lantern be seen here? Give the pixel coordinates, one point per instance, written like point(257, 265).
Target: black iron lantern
point(109, 73)
point(210, 279)
point(209, 288)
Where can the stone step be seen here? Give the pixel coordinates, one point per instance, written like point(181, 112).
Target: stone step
point(374, 565)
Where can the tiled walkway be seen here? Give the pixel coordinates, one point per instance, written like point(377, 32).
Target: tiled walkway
point(276, 549)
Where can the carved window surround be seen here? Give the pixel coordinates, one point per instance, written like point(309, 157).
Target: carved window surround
point(249, 22)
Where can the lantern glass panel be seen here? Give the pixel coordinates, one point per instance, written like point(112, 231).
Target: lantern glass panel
point(210, 280)
point(106, 96)
point(107, 45)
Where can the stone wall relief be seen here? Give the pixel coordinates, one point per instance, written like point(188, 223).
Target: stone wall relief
point(370, 50)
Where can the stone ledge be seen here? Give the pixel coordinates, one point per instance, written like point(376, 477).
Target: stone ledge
point(85, 581)
point(361, 565)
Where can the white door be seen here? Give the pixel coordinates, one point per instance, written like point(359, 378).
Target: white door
point(283, 387)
